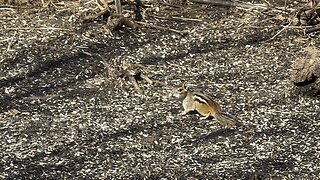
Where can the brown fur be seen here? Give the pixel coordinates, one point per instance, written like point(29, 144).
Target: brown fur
point(203, 104)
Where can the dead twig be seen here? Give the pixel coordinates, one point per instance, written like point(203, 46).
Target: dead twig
point(35, 28)
point(11, 42)
point(105, 12)
point(172, 5)
point(118, 7)
point(313, 29)
point(279, 32)
point(239, 4)
point(227, 3)
point(183, 33)
point(7, 9)
point(146, 78)
point(45, 5)
point(135, 84)
point(176, 18)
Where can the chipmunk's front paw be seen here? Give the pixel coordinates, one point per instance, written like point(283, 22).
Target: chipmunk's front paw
point(183, 113)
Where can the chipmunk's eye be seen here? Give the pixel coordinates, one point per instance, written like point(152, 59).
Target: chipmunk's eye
point(179, 89)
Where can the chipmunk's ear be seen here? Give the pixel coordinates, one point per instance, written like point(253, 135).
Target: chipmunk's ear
point(184, 85)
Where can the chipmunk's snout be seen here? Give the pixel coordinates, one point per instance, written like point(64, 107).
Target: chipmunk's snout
point(178, 95)
point(175, 95)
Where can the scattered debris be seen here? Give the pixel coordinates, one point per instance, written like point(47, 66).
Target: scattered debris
point(74, 122)
point(309, 15)
point(131, 72)
point(114, 20)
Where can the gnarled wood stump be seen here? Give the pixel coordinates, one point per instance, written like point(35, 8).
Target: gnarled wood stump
point(306, 76)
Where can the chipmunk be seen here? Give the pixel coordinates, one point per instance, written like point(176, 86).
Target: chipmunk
point(203, 104)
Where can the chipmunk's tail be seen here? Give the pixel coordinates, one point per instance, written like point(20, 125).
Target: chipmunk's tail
point(226, 119)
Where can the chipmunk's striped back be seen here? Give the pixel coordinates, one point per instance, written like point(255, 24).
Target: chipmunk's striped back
point(203, 104)
point(202, 98)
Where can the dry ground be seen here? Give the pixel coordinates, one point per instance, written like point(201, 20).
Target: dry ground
point(63, 116)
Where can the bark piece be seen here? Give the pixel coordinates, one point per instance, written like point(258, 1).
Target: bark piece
point(306, 76)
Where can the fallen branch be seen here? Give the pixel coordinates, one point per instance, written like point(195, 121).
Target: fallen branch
point(229, 3)
point(313, 29)
point(216, 2)
point(245, 5)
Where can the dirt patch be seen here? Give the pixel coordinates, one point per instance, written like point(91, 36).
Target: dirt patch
point(62, 116)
